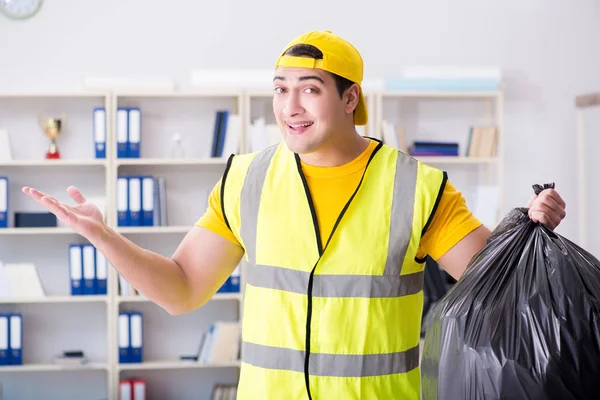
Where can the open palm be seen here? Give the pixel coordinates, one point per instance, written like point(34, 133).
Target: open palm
point(84, 218)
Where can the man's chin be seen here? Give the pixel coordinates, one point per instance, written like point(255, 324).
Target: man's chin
point(299, 146)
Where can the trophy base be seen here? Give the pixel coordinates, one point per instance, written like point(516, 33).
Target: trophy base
point(53, 155)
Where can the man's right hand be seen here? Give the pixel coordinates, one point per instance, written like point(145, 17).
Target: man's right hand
point(84, 218)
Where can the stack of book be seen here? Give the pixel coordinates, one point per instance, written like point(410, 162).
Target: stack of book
point(224, 392)
point(433, 148)
point(393, 135)
point(227, 133)
point(132, 389)
point(141, 200)
point(130, 338)
point(87, 269)
point(221, 344)
point(482, 141)
point(11, 338)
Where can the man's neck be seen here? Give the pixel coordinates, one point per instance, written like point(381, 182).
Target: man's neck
point(337, 154)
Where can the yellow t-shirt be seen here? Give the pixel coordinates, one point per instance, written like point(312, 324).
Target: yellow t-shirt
point(330, 189)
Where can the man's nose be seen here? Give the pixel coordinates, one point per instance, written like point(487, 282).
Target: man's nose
point(293, 105)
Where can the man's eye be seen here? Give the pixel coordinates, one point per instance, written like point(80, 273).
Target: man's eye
point(310, 90)
point(278, 90)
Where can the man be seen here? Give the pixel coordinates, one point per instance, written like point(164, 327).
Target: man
point(334, 228)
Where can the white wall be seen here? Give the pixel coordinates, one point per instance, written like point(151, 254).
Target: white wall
point(548, 49)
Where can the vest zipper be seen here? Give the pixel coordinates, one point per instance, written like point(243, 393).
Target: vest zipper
point(321, 250)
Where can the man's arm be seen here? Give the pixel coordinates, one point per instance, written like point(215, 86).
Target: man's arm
point(455, 260)
point(202, 262)
point(182, 283)
point(188, 279)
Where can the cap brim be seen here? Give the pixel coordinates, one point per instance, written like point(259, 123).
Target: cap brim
point(361, 115)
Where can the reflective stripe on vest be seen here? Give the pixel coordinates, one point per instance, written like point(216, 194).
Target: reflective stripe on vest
point(346, 365)
point(334, 285)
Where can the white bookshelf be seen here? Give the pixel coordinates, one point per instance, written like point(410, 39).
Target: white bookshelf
point(58, 321)
point(189, 180)
point(50, 323)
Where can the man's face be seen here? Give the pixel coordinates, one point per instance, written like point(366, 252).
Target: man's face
point(307, 107)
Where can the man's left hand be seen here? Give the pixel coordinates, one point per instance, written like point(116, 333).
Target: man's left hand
point(547, 207)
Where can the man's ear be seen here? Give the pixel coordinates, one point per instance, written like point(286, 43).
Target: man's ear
point(351, 98)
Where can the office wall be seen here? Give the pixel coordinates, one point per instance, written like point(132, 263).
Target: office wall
point(548, 51)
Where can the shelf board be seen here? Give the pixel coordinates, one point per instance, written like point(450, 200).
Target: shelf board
point(55, 299)
point(456, 160)
point(53, 94)
point(168, 161)
point(142, 299)
point(54, 163)
point(38, 231)
point(153, 229)
point(53, 367)
point(442, 94)
point(174, 364)
point(192, 93)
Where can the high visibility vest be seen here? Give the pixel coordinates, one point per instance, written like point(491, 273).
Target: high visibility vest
point(339, 319)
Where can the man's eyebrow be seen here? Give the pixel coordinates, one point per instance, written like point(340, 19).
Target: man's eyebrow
point(305, 78)
point(302, 78)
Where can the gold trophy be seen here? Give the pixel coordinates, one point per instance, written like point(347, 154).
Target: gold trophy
point(52, 127)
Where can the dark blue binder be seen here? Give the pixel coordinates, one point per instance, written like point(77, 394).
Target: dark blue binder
point(123, 200)
point(134, 132)
point(16, 339)
point(101, 269)
point(100, 132)
point(136, 337)
point(148, 204)
point(135, 201)
point(88, 256)
point(76, 269)
point(222, 132)
point(124, 338)
point(225, 287)
point(4, 340)
point(234, 281)
point(122, 132)
point(3, 202)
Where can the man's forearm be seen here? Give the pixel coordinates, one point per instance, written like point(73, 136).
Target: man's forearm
point(159, 278)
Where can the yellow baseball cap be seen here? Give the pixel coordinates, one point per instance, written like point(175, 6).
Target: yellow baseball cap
point(339, 57)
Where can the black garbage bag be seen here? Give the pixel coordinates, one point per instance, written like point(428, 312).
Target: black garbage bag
point(523, 322)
